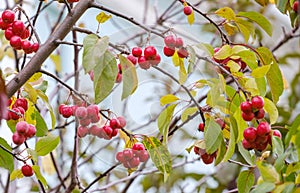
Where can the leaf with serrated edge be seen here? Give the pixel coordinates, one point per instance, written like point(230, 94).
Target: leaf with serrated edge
point(245, 181)
point(167, 99)
point(105, 74)
point(160, 155)
point(93, 49)
point(129, 77)
point(46, 144)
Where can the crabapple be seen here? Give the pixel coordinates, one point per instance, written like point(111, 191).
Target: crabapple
point(277, 133)
point(120, 156)
point(122, 121)
point(18, 139)
point(250, 134)
point(201, 127)
point(187, 10)
point(248, 116)
point(137, 51)
point(179, 42)
point(168, 51)
point(81, 112)
point(27, 170)
point(82, 131)
point(260, 114)
point(8, 16)
point(18, 27)
point(31, 131)
point(263, 129)
point(246, 107)
point(170, 41)
point(150, 52)
point(22, 127)
point(182, 53)
point(257, 102)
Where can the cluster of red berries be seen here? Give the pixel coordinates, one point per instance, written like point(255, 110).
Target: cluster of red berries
point(253, 108)
point(171, 43)
point(206, 158)
point(27, 170)
point(16, 33)
point(259, 138)
point(187, 10)
point(132, 157)
point(146, 59)
point(23, 132)
point(223, 62)
point(17, 110)
point(220, 121)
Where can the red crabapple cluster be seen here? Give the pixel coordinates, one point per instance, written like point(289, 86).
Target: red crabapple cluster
point(253, 109)
point(18, 109)
point(223, 62)
point(147, 58)
point(132, 157)
point(23, 132)
point(27, 170)
point(259, 138)
point(171, 44)
point(16, 33)
point(206, 158)
point(218, 120)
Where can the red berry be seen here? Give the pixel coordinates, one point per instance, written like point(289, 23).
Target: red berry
point(81, 113)
point(4, 25)
point(122, 121)
point(85, 122)
point(21, 102)
point(114, 123)
point(156, 60)
point(257, 102)
point(27, 170)
point(94, 130)
point(25, 34)
point(168, 51)
point(15, 113)
point(35, 47)
point(16, 42)
point(250, 134)
point(247, 145)
point(179, 43)
point(262, 139)
point(128, 154)
point(248, 116)
point(277, 133)
point(27, 46)
point(115, 132)
point(31, 131)
point(95, 119)
point(18, 27)
point(216, 49)
point(263, 129)
point(132, 59)
point(8, 33)
point(118, 78)
point(8, 16)
point(22, 127)
point(66, 111)
point(170, 41)
point(134, 162)
point(201, 127)
point(143, 155)
point(137, 51)
point(18, 139)
point(246, 107)
point(187, 10)
point(199, 151)
point(92, 110)
point(138, 146)
point(82, 131)
point(182, 53)
point(120, 157)
point(150, 52)
point(260, 114)
point(220, 122)
point(108, 131)
point(295, 6)
point(143, 63)
point(261, 146)
point(207, 159)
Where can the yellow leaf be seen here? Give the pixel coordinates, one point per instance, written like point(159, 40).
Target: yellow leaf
point(102, 17)
point(226, 12)
point(35, 77)
point(191, 18)
point(230, 29)
point(56, 59)
point(31, 92)
point(167, 99)
point(177, 61)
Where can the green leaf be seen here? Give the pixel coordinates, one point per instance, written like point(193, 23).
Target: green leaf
point(16, 174)
point(41, 126)
point(105, 74)
point(167, 99)
point(93, 49)
point(245, 181)
point(259, 19)
point(188, 112)
point(261, 84)
point(282, 5)
point(159, 154)
point(271, 109)
point(246, 28)
point(249, 58)
point(212, 135)
point(44, 97)
point(164, 119)
point(102, 17)
point(46, 144)
point(39, 176)
point(295, 127)
point(260, 71)
point(241, 124)
point(268, 172)
point(232, 140)
point(274, 76)
point(264, 187)
point(277, 146)
point(33, 154)
point(129, 77)
point(206, 47)
point(192, 58)
point(226, 12)
point(246, 154)
point(223, 53)
point(6, 159)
